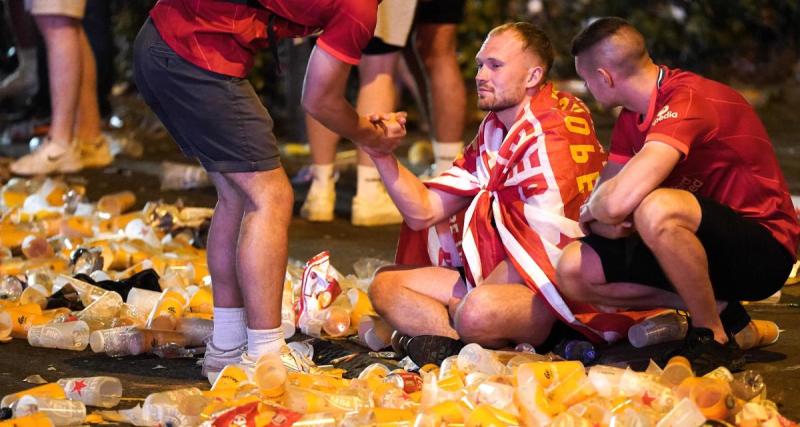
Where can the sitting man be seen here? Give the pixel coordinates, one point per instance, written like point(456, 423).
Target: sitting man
point(514, 197)
point(692, 210)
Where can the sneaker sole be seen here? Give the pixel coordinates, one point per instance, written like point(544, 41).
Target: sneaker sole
point(376, 221)
point(425, 349)
point(317, 217)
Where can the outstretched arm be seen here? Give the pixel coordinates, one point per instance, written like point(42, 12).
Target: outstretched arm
point(421, 206)
point(324, 98)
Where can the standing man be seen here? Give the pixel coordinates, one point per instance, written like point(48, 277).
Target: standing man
point(692, 210)
point(191, 60)
point(514, 199)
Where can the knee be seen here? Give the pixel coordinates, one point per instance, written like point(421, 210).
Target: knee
point(472, 318)
point(380, 291)
point(570, 278)
point(659, 214)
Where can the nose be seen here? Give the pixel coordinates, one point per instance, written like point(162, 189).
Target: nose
point(481, 75)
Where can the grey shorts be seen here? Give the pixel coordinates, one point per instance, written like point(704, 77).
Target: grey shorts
point(215, 118)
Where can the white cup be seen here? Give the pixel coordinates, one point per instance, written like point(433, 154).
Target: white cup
point(143, 300)
point(66, 335)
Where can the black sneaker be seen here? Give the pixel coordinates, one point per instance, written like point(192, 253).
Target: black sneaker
point(706, 354)
point(424, 349)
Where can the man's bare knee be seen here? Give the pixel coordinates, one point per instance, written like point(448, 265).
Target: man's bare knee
point(569, 272)
point(472, 317)
point(380, 291)
point(664, 211)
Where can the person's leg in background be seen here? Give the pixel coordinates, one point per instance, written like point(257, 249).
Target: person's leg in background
point(436, 43)
point(23, 83)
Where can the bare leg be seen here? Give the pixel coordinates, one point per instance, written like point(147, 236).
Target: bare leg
point(437, 46)
point(322, 142)
point(503, 310)
point(667, 221)
point(62, 36)
point(87, 125)
point(261, 251)
point(414, 299)
point(222, 239)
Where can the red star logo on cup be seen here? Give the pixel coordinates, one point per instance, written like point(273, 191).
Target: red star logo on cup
point(647, 399)
point(77, 386)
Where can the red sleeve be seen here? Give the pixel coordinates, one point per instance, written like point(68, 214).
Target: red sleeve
point(684, 119)
point(623, 138)
point(349, 29)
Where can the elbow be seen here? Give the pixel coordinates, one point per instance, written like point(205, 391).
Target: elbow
point(419, 223)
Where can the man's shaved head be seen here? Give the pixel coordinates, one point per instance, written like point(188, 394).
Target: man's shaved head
point(612, 43)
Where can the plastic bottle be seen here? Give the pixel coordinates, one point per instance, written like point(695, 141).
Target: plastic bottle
point(664, 327)
point(131, 341)
point(576, 350)
point(35, 246)
point(179, 176)
point(61, 412)
point(116, 203)
point(103, 392)
point(10, 288)
point(197, 331)
point(336, 322)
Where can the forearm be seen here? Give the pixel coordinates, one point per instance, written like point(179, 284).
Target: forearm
point(338, 115)
point(412, 198)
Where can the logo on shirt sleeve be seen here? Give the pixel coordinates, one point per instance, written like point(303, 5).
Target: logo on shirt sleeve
point(664, 114)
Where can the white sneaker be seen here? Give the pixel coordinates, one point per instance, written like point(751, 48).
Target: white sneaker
point(292, 360)
point(377, 210)
point(48, 158)
point(217, 359)
point(97, 153)
point(319, 203)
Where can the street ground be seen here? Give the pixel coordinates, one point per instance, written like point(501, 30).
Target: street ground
point(142, 375)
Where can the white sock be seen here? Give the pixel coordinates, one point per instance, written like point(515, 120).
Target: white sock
point(230, 327)
point(321, 178)
point(261, 341)
point(369, 181)
point(444, 153)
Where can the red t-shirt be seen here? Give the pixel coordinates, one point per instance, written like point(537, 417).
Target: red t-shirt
point(727, 154)
point(222, 36)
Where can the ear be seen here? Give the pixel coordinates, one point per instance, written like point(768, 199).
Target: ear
point(535, 77)
point(606, 75)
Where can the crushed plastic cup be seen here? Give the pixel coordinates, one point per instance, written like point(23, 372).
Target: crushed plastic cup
point(270, 375)
point(65, 335)
point(678, 368)
point(202, 300)
point(143, 300)
point(10, 288)
point(169, 407)
point(103, 392)
point(61, 412)
point(196, 330)
point(473, 357)
point(51, 390)
point(101, 313)
point(6, 325)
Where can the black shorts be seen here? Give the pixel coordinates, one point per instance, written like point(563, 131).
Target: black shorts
point(377, 46)
point(745, 262)
point(215, 118)
point(440, 11)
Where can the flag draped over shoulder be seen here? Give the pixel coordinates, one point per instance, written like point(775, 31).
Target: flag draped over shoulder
point(527, 184)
